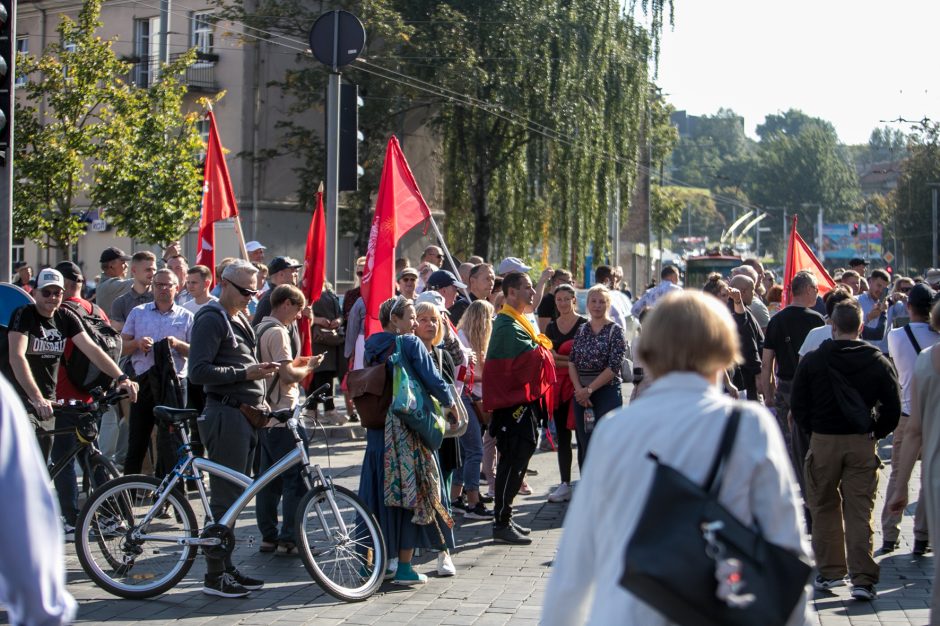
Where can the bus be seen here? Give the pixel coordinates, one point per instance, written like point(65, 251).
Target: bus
point(697, 268)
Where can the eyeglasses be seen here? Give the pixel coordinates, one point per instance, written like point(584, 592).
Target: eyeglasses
point(51, 293)
point(905, 289)
point(408, 279)
point(248, 293)
point(163, 285)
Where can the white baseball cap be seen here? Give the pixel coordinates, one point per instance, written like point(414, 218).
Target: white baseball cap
point(50, 277)
point(512, 264)
point(432, 297)
point(254, 246)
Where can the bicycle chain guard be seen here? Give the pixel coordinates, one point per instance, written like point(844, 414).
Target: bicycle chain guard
point(226, 537)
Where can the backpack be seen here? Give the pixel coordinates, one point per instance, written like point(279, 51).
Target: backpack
point(80, 371)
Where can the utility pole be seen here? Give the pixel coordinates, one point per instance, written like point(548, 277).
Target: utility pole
point(933, 213)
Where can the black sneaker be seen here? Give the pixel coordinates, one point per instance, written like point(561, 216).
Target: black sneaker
point(252, 584)
point(888, 546)
point(479, 511)
point(458, 507)
point(223, 585)
point(921, 547)
point(522, 529)
point(824, 584)
point(485, 499)
point(509, 534)
point(864, 592)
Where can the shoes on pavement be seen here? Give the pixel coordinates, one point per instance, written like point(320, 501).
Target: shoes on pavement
point(921, 547)
point(479, 511)
point(445, 565)
point(864, 592)
point(562, 493)
point(334, 417)
point(531, 472)
point(406, 576)
point(69, 531)
point(888, 546)
point(354, 417)
point(249, 583)
point(458, 506)
point(267, 547)
point(525, 530)
point(223, 585)
point(827, 583)
point(487, 498)
point(509, 534)
point(391, 568)
point(286, 547)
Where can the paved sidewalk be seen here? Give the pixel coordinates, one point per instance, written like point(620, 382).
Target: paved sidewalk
point(495, 584)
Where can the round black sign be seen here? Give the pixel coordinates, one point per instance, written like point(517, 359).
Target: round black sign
point(337, 38)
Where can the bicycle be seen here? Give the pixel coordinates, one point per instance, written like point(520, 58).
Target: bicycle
point(137, 537)
point(97, 469)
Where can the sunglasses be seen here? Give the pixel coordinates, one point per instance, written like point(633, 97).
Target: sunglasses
point(51, 293)
point(248, 293)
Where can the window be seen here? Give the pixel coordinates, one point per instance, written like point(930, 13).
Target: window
point(202, 37)
point(19, 250)
point(147, 50)
point(22, 47)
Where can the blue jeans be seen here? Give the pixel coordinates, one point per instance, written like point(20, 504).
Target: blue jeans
point(606, 399)
point(274, 444)
point(471, 451)
point(66, 482)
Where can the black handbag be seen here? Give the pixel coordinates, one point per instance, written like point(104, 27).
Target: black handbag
point(695, 563)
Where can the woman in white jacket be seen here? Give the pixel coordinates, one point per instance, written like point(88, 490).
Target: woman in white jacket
point(689, 339)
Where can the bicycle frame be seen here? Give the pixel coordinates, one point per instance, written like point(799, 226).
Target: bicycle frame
point(191, 467)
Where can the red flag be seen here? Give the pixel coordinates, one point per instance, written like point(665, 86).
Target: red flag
point(799, 258)
point(398, 208)
point(218, 199)
point(314, 272)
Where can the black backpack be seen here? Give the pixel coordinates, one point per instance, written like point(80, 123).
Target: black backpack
point(81, 372)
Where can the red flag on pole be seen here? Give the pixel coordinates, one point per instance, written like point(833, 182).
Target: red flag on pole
point(314, 271)
point(799, 258)
point(398, 208)
point(218, 199)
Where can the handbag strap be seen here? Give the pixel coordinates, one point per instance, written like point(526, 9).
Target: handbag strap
point(716, 473)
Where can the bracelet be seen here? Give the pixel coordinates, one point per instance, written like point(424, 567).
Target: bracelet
point(589, 390)
point(121, 378)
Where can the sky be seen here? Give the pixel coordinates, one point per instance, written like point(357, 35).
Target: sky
point(851, 63)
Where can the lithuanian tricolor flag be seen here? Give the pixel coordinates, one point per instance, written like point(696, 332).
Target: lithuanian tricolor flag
point(518, 370)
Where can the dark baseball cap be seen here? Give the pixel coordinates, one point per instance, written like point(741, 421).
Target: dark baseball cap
point(282, 263)
point(857, 261)
point(112, 254)
point(921, 296)
point(443, 278)
point(70, 271)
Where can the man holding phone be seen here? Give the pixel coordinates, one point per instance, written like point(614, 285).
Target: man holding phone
point(223, 362)
point(874, 305)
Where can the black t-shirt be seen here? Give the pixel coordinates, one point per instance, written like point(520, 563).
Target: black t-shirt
point(45, 345)
point(457, 310)
point(546, 307)
point(554, 333)
point(785, 335)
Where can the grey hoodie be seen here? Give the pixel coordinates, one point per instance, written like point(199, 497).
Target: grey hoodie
point(222, 349)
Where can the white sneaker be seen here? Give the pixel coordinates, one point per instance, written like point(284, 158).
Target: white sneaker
point(562, 493)
point(335, 418)
point(445, 565)
point(391, 568)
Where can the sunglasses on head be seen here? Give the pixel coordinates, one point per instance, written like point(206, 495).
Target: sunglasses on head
point(248, 293)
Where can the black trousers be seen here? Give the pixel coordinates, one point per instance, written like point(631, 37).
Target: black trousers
point(516, 432)
point(138, 436)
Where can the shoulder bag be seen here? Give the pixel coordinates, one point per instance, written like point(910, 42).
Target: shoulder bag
point(463, 418)
point(413, 405)
point(371, 391)
point(697, 564)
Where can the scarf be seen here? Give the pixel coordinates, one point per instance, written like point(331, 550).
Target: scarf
point(523, 321)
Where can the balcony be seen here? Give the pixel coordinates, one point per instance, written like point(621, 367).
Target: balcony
point(200, 76)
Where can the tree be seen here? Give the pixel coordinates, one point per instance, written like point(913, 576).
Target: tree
point(668, 204)
point(913, 197)
point(101, 143)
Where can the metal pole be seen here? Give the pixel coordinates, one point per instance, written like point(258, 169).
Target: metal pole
point(933, 190)
point(757, 237)
point(332, 158)
point(164, 32)
point(6, 169)
point(617, 226)
point(820, 253)
point(867, 236)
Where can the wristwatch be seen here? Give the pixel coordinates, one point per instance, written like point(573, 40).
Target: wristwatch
point(121, 378)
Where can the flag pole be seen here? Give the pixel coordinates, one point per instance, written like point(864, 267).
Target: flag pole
point(241, 237)
point(450, 259)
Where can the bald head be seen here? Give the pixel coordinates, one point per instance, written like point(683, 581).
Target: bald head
point(745, 284)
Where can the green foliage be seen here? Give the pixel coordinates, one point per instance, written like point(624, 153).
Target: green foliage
point(668, 206)
point(913, 196)
point(98, 137)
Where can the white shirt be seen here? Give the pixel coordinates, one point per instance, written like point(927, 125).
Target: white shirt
point(759, 485)
point(193, 307)
point(868, 303)
point(32, 570)
point(815, 338)
point(652, 295)
point(619, 308)
point(903, 354)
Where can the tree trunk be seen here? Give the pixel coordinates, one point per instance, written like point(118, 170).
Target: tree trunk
point(479, 203)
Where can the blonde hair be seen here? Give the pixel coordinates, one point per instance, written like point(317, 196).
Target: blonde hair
point(689, 331)
point(605, 292)
point(477, 325)
point(426, 307)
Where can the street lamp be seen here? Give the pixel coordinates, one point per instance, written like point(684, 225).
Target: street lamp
point(933, 192)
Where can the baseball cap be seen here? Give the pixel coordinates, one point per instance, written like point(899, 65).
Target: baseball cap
point(512, 264)
point(19, 264)
point(282, 263)
point(50, 278)
point(921, 296)
point(254, 246)
point(69, 271)
point(933, 276)
point(857, 261)
point(443, 278)
point(112, 254)
point(408, 271)
point(432, 297)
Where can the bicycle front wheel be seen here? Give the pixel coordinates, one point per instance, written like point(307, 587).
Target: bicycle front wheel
point(348, 564)
point(124, 557)
point(99, 470)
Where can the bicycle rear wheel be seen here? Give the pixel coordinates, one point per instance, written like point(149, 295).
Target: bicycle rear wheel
point(127, 559)
point(348, 565)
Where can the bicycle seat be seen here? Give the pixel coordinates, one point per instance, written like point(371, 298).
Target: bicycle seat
point(171, 416)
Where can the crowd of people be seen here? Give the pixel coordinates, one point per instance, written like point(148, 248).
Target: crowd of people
point(835, 374)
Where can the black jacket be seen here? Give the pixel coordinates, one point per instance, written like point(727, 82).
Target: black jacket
point(222, 350)
point(813, 401)
point(752, 339)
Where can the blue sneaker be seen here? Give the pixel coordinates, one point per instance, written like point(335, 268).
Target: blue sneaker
point(407, 576)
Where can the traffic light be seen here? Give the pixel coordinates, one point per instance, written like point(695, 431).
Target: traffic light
point(7, 65)
point(855, 229)
point(349, 137)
